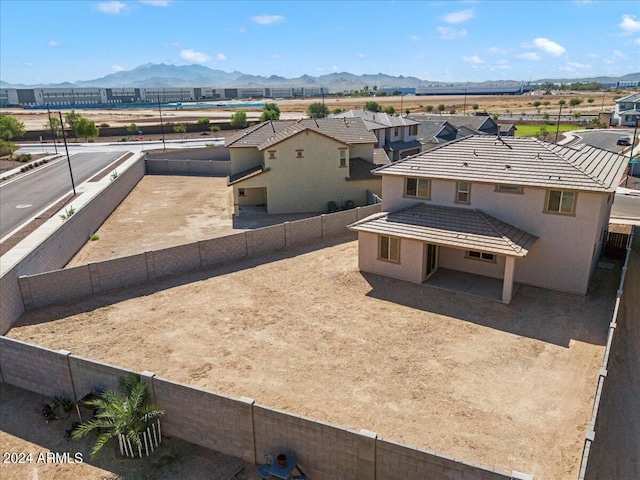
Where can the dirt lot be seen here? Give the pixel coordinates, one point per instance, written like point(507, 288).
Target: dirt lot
point(23, 430)
point(502, 386)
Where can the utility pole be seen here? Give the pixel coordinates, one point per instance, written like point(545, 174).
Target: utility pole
point(561, 102)
point(632, 162)
point(73, 185)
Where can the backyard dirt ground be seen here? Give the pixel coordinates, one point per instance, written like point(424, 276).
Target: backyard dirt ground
point(504, 386)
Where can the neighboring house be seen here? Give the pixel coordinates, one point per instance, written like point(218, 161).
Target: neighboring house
point(395, 134)
point(627, 110)
point(508, 130)
point(302, 166)
point(437, 129)
point(519, 209)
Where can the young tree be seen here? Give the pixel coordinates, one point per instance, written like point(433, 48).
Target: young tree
point(590, 100)
point(475, 106)
point(86, 129)
point(72, 118)
point(407, 111)
point(124, 413)
point(8, 148)
point(239, 119)
point(10, 128)
point(317, 110)
point(132, 129)
point(545, 116)
point(543, 132)
point(575, 102)
point(270, 111)
point(429, 108)
point(389, 109)
point(441, 108)
point(214, 128)
point(204, 123)
point(53, 127)
point(181, 129)
point(337, 110)
point(372, 106)
point(537, 105)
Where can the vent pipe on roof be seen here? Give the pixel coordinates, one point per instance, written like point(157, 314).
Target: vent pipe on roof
point(272, 127)
point(314, 119)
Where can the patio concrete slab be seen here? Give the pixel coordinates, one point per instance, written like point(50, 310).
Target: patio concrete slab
point(468, 283)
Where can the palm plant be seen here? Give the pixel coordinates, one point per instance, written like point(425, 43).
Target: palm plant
point(124, 413)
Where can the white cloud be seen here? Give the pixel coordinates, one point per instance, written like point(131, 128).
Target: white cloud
point(528, 56)
point(629, 24)
point(608, 61)
point(497, 51)
point(157, 3)
point(175, 45)
point(267, 19)
point(414, 38)
point(475, 59)
point(53, 43)
point(547, 46)
point(275, 55)
point(242, 30)
point(618, 54)
point(221, 56)
point(574, 66)
point(113, 8)
point(28, 64)
point(117, 68)
point(458, 17)
point(193, 56)
point(451, 33)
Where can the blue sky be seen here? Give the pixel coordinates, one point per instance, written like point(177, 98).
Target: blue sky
point(56, 41)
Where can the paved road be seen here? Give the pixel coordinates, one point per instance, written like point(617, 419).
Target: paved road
point(626, 206)
point(605, 139)
point(112, 147)
point(29, 194)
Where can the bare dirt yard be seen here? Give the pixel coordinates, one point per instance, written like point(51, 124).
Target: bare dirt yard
point(505, 386)
point(24, 431)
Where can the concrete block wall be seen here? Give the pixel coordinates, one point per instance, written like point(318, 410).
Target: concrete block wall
point(119, 272)
point(239, 427)
point(176, 260)
point(213, 168)
point(213, 421)
point(224, 249)
point(64, 242)
point(69, 285)
point(266, 239)
point(335, 222)
point(301, 232)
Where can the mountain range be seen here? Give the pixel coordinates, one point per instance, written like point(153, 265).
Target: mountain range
point(167, 76)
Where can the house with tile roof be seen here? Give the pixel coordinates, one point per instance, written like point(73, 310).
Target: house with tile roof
point(396, 134)
point(434, 130)
point(512, 210)
point(627, 110)
point(303, 166)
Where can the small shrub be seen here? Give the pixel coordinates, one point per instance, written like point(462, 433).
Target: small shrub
point(104, 125)
point(209, 144)
point(67, 213)
point(113, 175)
point(123, 139)
point(93, 237)
point(44, 160)
point(23, 169)
point(66, 404)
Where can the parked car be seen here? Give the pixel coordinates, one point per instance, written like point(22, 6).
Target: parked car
point(626, 141)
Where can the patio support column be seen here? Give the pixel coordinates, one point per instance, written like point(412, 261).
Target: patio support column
point(507, 283)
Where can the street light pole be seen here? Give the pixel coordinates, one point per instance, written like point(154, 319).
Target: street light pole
point(164, 148)
point(53, 131)
point(559, 115)
point(73, 185)
point(632, 164)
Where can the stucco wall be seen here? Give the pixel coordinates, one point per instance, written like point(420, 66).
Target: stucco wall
point(455, 259)
point(364, 151)
point(243, 158)
point(410, 267)
point(562, 257)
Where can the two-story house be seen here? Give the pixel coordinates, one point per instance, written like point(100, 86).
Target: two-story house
point(437, 129)
point(397, 135)
point(303, 166)
point(627, 110)
point(519, 210)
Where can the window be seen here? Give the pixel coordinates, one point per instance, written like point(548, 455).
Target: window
point(509, 189)
point(417, 187)
point(560, 201)
point(272, 154)
point(396, 131)
point(343, 157)
point(389, 249)
point(462, 192)
point(413, 129)
point(241, 192)
point(299, 153)
point(487, 257)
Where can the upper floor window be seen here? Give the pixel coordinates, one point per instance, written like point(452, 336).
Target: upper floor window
point(413, 129)
point(561, 201)
point(509, 189)
point(343, 157)
point(272, 154)
point(463, 192)
point(299, 153)
point(396, 131)
point(417, 187)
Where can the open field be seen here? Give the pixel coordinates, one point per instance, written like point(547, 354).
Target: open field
point(504, 386)
point(532, 130)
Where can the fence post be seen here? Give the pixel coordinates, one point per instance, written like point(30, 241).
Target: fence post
point(367, 455)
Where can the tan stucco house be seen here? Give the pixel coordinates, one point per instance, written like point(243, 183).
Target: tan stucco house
point(303, 165)
point(396, 134)
point(519, 210)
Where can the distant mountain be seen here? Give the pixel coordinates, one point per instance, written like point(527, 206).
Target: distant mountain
point(167, 76)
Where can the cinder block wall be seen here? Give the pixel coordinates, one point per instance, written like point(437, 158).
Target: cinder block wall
point(238, 427)
point(59, 247)
point(67, 284)
point(201, 168)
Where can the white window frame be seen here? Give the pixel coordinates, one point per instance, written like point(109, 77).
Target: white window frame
point(561, 207)
point(466, 192)
point(387, 247)
point(512, 189)
point(482, 256)
point(418, 182)
point(343, 157)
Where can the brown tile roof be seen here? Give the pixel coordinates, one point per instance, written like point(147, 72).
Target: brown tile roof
point(380, 157)
point(349, 131)
point(360, 169)
point(248, 173)
point(457, 227)
point(516, 161)
point(377, 120)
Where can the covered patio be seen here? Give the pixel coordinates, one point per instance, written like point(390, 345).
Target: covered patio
point(469, 284)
